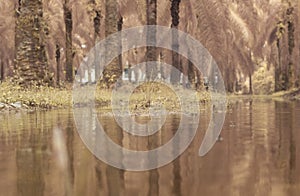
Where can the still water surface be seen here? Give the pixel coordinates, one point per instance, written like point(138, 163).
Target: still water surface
point(259, 155)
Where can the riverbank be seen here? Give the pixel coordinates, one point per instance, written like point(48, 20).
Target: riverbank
point(293, 94)
point(14, 98)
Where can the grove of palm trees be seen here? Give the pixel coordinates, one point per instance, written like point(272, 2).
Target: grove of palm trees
point(255, 43)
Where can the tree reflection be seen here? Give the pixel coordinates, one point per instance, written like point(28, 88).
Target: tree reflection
point(31, 159)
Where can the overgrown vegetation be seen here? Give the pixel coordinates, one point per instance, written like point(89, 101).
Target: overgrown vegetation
point(14, 97)
point(263, 80)
point(36, 97)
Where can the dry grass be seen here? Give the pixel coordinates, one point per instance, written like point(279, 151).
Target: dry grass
point(37, 97)
point(49, 97)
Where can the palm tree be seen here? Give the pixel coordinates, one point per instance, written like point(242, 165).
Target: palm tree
point(236, 33)
point(297, 39)
point(95, 13)
point(175, 77)
point(69, 46)
point(287, 56)
point(7, 18)
point(151, 52)
point(53, 13)
point(291, 20)
point(112, 22)
point(31, 66)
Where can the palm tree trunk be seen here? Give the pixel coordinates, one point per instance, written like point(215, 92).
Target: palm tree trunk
point(120, 27)
point(175, 75)
point(250, 84)
point(285, 77)
point(69, 49)
point(151, 53)
point(290, 83)
point(191, 74)
point(278, 68)
point(96, 20)
point(1, 70)
point(57, 64)
point(113, 71)
point(298, 43)
point(31, 67)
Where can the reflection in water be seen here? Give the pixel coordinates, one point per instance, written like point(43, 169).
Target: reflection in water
point(70, 139)
point(153, 142)
point(287, 124)
point(258, 156)
point(115, 177)
point(176, 190)
point(31, 160)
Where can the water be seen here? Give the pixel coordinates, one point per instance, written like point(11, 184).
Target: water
point(259, 155)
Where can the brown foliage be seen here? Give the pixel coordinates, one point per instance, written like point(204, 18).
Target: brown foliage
point(236, 33)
